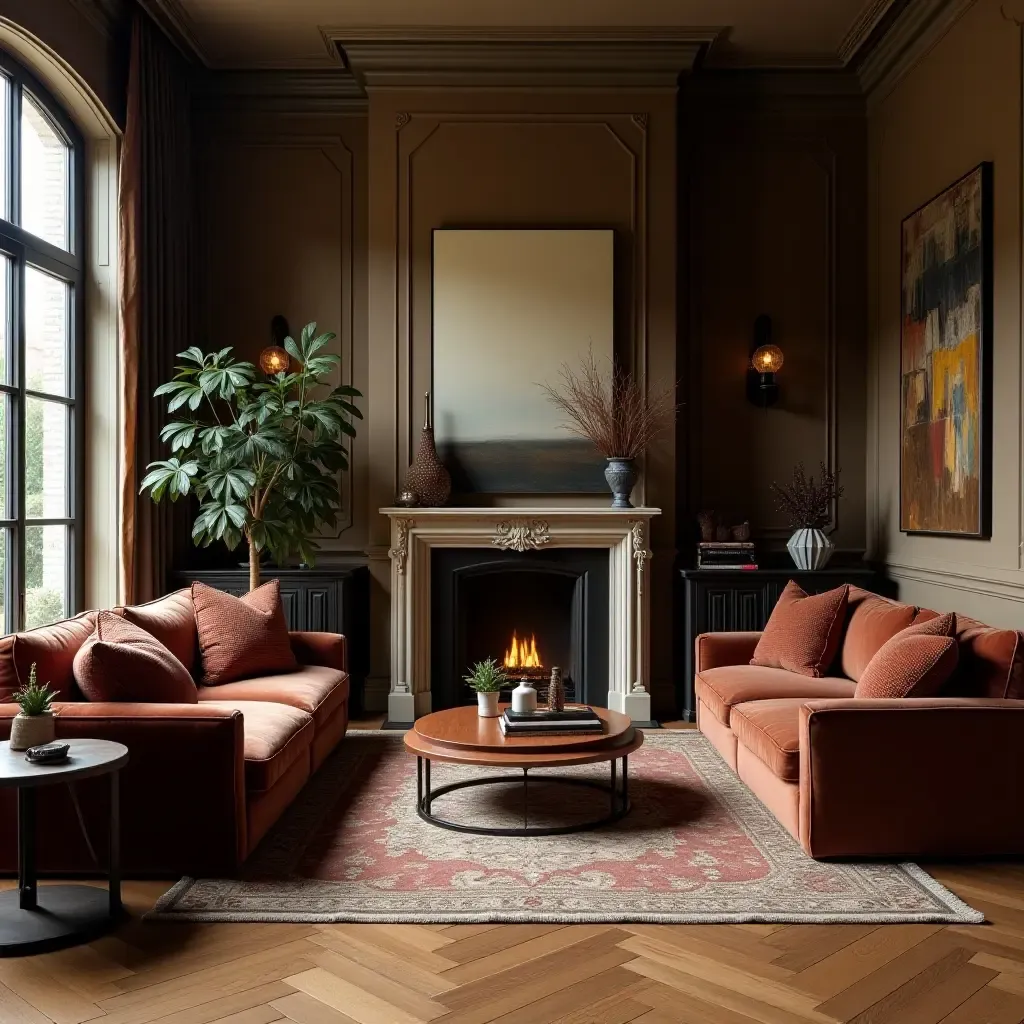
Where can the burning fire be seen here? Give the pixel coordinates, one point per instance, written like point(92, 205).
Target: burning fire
point(523, 653)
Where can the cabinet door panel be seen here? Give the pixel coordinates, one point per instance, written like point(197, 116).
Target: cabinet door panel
point(320, 609)
point(291, 603)
point(720, 611)
point(748, 610)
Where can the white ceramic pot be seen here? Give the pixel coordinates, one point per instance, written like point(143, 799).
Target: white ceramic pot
point(524, 697)
point(32, 730)
point(487, 704)
point(810, 549)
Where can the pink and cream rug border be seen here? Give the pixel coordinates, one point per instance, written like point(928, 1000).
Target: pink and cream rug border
point(697, 848)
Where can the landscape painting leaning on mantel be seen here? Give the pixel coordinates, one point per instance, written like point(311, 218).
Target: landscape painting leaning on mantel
point(944, 367)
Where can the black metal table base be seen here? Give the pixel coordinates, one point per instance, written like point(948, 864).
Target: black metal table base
point(618, 800)
point(41, 918)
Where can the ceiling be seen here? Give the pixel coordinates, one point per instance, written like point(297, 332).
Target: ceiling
point(295, 33)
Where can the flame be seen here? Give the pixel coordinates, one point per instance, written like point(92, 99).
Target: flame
point(523, 653)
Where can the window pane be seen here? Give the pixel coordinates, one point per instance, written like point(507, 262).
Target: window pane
point(46, 459)
point(46, 557)
point(45, 172)
point(6, 307)
point(5, 136)
point(5, 419)
point(47, 301)
point(5, 545)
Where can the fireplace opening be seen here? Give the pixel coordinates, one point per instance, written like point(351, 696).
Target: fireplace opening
point(529, 612)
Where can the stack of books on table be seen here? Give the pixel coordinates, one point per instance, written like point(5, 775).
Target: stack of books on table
point(573, 721)
point(726, 555)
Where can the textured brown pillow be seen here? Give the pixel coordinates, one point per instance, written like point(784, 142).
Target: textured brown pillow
point(870, 621)
point(941, 625)
point(242, 637)
point(909, 666)
point(121, 662)
point(803, 632)
point(172, 620)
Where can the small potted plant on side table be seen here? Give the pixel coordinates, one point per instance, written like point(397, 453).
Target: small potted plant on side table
point(34, 724)
point(487, 679)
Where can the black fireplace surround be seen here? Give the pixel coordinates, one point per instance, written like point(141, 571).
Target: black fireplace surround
point(480, 596)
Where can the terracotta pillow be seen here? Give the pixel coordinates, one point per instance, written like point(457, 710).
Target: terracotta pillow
point(941, 625)
point(803, 632)
point(242, 637)
point(52, 648)
point(909, 666)
point(172, 620)
point(121, 662)
point(870, 622)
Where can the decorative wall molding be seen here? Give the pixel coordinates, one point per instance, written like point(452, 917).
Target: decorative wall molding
point(399, 550)
point(918, 27)
point(598, 57)
point(106, 15)
point(521, 534)
point(331, 90)
point(172, 17)
point(967, 582)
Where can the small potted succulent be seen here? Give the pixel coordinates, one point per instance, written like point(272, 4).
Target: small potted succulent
point(34, 724)
point(487, 679)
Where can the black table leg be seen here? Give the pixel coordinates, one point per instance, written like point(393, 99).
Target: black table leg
point(625, 783)
point(426, 775)
point(526, 798)
point(612, 788)
point(114, 875)
point(419, 782)
point(27, 848)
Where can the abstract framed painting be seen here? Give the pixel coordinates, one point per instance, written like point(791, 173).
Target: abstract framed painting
point(946, 362)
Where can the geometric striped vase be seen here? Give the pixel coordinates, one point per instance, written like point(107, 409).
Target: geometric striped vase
point(810, 549)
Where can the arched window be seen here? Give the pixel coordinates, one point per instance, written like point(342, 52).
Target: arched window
point(41, 354)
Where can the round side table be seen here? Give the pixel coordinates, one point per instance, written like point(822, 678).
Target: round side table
point(37, 919)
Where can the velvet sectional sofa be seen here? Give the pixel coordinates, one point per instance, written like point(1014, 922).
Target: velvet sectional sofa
point(920, 777)
point(206, 780)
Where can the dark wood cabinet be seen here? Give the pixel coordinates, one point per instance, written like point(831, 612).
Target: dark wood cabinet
point(329, 599)
point(722, 601)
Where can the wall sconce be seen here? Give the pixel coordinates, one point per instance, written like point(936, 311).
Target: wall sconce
point(766, 360)
point(274, 359)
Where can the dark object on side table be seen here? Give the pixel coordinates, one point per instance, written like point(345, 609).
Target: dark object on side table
point(327, 599)
point(725, 601)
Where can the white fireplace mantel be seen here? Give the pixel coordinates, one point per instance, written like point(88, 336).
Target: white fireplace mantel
point(623, 532)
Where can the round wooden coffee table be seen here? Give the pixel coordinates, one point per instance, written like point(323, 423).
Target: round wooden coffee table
point(461, 736)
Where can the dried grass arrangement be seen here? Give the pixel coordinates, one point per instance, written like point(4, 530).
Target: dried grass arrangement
point(611, 408)
point(806, 504)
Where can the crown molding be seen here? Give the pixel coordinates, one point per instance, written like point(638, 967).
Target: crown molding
point(331, 90)
point(756, 91)
point(860, 31)
point(105, 15)
point(913, 33)
point(177, 25)
point(525, 57)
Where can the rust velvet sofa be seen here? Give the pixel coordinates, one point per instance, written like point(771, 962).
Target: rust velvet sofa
point(913, 777)
point(205, 781)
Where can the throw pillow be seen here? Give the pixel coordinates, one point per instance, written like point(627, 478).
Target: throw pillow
point(241, 637)
point(172, 620)
point(803, 632)
point(121, 662)
point(940, 625)
point(909, 666)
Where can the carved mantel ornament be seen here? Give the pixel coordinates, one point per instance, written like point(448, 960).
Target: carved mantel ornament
point(521, 535)
point(400, 552)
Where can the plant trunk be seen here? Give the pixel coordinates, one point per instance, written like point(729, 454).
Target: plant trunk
point(254, 567)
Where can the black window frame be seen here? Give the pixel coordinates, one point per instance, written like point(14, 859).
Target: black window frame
point(27, 250)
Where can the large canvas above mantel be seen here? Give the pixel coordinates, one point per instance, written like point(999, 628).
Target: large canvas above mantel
point(510, 307)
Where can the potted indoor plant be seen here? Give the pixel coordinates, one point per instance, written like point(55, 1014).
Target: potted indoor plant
point(614, 410)
point(808, 507)
point(33, 725)
point(261, 455)
point(487, 679)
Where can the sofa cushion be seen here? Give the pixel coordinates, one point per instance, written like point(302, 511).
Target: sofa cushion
point(991, 660)
point(172, 620)
point(940, 625)
point(771, 729)
point(276, 736)
point(909, 666)
point(803, 631)
point(52, 648)
point(242, 637)
point(870, 621)
point(314, 689)
point(723, 687)
point(122, 662)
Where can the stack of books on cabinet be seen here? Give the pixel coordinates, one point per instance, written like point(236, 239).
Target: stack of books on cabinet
point(726, 555)
point(573, 721)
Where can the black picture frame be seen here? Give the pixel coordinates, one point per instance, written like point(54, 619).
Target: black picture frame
point(951, 274)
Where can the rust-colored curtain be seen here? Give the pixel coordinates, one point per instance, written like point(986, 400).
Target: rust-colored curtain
point(156, 288)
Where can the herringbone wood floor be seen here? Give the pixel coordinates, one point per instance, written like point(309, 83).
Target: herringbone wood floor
point(539, 974)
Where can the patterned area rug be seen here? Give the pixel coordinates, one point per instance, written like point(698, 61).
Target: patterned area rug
point(698, 846)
